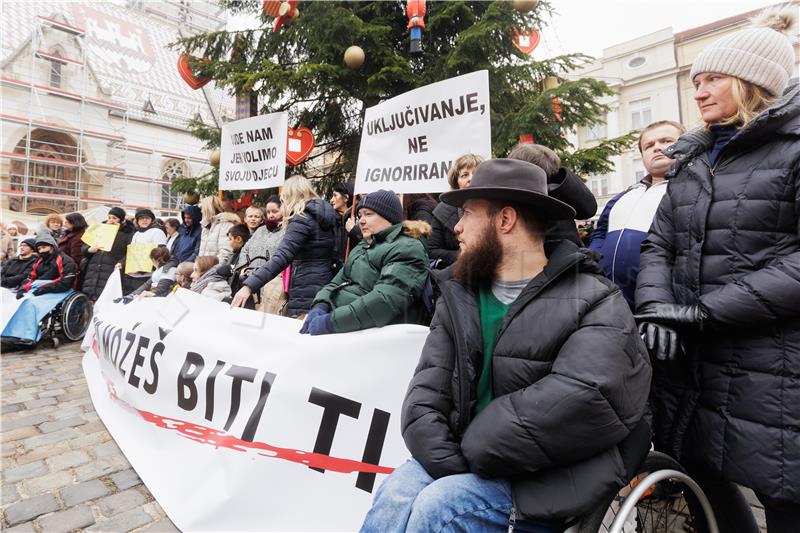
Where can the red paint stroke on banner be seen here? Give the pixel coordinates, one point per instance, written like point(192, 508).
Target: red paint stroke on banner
point(220, 439)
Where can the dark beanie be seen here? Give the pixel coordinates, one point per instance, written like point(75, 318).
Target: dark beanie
point(30, 242)
point(385, 203)
point(117, 212)
point(144, 212)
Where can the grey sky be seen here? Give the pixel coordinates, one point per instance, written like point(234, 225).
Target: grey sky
point(589, 26)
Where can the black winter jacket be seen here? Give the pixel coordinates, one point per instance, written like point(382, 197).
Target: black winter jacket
point(309, 247)
point(570, 380)
point(343, 237)
point(15, 271)
point(727, 236)
point(56, 268)
point(443, 244)
point(97, 268)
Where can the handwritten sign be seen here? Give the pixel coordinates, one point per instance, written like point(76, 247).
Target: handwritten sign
point(254, 152)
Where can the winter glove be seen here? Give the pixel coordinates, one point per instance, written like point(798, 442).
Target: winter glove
point(674, 315)
point(40, 290)
point(20, 294)
point(321, 325)
point(662, 342)
point(317, 310)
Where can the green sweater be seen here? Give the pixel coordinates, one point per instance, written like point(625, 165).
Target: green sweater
point(382, 281)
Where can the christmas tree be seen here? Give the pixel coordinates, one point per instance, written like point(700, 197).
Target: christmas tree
point(301, 69)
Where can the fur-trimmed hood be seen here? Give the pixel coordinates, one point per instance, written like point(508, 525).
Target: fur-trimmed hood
point(416, 229)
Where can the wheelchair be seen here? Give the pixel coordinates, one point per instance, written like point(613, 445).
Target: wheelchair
point(661, 498)
point(70, 319)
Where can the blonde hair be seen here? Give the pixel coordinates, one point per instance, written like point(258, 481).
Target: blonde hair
point(750, 100)
point(296, 192)
point(185, 268)
point(465, 161)
point(255, 209)
point(209, 207)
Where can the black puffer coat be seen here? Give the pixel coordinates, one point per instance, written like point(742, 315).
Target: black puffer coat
point(566, 186)
point(728, 236)
point(309, 247)
point(97, 268)
point(443, 244)
point(570, 377)
point(15, 271)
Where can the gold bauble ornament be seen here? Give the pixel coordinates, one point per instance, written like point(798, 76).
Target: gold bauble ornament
point(191, 198)
point(354, 57)
point(525, 6)
point(214, 158)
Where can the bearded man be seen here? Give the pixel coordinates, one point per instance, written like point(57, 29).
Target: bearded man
point(527, 404)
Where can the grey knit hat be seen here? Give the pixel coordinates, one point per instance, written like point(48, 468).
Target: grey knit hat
point(761, 54)
point(385, 203)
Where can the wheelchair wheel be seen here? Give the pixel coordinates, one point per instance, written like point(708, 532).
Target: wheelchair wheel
point(76, 313)
point(660, 499)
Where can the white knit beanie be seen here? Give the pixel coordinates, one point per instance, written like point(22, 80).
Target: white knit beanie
point(761, 54)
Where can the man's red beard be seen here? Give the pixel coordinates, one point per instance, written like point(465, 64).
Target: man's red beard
point(477, 265)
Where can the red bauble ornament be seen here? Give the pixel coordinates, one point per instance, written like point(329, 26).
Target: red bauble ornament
point(526, 41)
point(186, 73)
point(299, 145)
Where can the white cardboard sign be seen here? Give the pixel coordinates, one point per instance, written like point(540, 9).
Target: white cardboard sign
point(408, 143)
point(253, 152)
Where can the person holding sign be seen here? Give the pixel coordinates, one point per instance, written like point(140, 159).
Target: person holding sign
point(382, 281)
point(443, 246)
point(98, 263)
point(531, 377)
point(148, 235)
point(308, 246)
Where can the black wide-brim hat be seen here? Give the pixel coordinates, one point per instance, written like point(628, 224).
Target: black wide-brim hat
point(515, 181)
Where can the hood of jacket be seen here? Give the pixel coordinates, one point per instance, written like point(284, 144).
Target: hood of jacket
point(447, 215)
point(233, 218)
point(322, 212)
point(47, 238)
point(194, 212)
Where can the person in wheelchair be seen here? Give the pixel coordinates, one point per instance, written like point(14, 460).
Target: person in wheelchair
point(55, 268)
point(533, 382)
point(382, 281)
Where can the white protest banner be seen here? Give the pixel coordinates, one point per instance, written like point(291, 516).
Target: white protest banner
point(235, 422)
point(253, 152)
point(408, 143)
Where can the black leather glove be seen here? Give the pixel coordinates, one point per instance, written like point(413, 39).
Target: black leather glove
point(662, 342)
point(674, 315)
point(20, 294)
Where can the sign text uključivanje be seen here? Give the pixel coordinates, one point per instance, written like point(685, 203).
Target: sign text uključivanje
point(409, 142)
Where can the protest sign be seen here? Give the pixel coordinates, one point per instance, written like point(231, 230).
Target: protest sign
point(253, 152)
point(137, 257)
point(101, 236)
point(409, 142)
point(236, 422)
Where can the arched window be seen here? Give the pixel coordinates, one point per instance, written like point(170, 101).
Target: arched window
point(173, 169)
point(50, 171)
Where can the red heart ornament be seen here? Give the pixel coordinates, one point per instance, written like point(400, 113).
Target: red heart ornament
point(186, 73)
point(299, 144)
point(526, 42)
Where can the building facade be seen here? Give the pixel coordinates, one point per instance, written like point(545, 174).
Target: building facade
point(650, 78)
point(94, 111)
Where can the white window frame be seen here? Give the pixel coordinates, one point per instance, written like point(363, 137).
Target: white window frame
point(641, 113)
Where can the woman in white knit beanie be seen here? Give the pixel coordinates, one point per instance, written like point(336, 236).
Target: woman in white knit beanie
point(718, 292)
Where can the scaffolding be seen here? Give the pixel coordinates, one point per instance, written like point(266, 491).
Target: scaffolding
point(75, 149)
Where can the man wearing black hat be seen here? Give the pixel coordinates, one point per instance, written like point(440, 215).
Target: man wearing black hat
point(382, 281)
point(528, 399)
point(16, 270)
point(53, 271)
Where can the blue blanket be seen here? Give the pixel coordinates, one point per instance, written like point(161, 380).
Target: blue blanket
point(24, 324)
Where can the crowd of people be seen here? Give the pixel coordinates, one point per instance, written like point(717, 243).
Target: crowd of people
point(550, 366)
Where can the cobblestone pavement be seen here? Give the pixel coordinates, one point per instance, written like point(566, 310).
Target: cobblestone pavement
point(61, 470)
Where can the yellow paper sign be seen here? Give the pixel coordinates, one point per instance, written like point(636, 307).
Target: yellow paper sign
point(137, 258)
point(101, 236)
